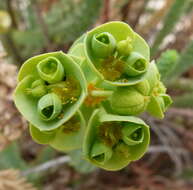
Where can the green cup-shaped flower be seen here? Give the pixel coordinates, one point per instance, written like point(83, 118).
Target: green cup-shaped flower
point(5, 22)
point(135, 64)
point(133, 135)
point(72, 90)
point(111, 70)
point(100, 152)
point(103, 45)
point(49, 106)
point(128, 101)
point(158, 105)
point(51, 70)
point(111, 142)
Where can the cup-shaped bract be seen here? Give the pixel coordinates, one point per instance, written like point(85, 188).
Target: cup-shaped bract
point(128, 101)
point(41, 137)
point(67, 137)
point(111, 69)
point(71, 91)
point(132, 135)
point(111, 141)
point(51, 70)
point(103, 45)
point(49, 106)
point(100, 152)
point(135, 64)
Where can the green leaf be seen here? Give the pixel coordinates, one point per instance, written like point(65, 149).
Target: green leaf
point(171, 19)
point(11, 158)
point(167, 63)
point(185, 61)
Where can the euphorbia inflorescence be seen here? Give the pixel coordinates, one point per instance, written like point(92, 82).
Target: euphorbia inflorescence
point(90, 98)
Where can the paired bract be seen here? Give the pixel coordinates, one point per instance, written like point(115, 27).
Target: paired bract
point(90, 98)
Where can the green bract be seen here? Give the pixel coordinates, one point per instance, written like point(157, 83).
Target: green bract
point(158, 105)
point(112, 67)
point(49, 106)
point(69, 93)
point(135, 64)
point(89, 98)
point(103, 45)
point(112, 141)
point(67, 137)
point(51, 70)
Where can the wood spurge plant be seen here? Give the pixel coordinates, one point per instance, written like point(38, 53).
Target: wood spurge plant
point(90, 98)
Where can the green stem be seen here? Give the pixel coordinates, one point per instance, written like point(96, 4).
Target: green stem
point(101, 93)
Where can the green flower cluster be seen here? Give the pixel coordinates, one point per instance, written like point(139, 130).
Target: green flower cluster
point(89, 98)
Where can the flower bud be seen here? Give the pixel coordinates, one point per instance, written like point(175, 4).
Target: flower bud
point(128, 101)
point(49, 106)
point(124, 47)
point(51, 70)
point(156, 107)
point(161, 88)
point(135, 64)
point(133, 134)
point(152, 76)
point(38, 88)
point(143, 87)
point(103, 45)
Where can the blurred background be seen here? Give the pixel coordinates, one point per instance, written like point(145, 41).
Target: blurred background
point(31, 27)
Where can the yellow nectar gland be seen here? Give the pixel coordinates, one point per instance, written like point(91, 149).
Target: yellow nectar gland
point(110, 133)
point(122, 149)
point(67, 90)
point(111, 68)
